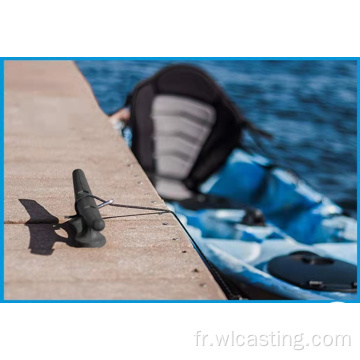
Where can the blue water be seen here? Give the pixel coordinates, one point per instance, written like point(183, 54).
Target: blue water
point(309, 107)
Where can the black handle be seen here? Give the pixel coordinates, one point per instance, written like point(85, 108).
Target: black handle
point(86, 206)
point(88, 223)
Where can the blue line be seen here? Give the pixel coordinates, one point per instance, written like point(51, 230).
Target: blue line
point(2, 178)
point(180, 58)
point(176, 301)
point(358, 162)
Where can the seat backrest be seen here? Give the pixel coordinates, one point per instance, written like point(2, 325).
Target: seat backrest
point(184, 128)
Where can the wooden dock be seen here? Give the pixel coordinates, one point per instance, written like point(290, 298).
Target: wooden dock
point(53, 125)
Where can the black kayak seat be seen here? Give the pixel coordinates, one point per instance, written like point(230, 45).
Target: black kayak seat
point(184, 128)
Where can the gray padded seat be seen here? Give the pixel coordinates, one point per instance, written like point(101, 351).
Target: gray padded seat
point(182, 125)
point(184, 128)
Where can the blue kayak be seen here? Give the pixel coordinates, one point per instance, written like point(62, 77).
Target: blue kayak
point(263, 232)
point(298, 219)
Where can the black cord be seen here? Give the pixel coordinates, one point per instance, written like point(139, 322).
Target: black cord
point(210, 266)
